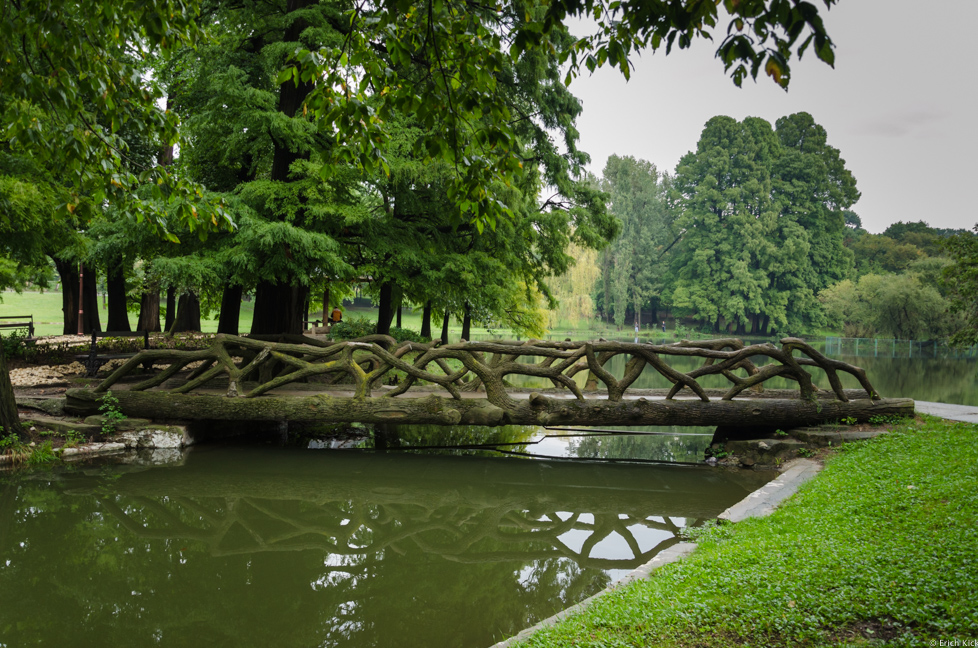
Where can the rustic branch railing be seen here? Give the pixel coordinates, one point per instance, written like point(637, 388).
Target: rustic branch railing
point(471, 366)
point(248, 379)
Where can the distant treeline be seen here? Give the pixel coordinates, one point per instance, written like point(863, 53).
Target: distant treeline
point(754, 234)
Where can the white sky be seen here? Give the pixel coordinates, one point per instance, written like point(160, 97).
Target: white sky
point(899, 105)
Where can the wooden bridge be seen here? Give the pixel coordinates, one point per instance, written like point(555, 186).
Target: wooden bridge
point(376, 380)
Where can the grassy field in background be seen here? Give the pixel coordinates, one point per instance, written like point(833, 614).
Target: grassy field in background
point(49, 320)
point(877, 550)
point(46, 309)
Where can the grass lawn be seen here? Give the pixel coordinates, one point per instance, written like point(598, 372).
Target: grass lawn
point(880, 549)
point(49, 320)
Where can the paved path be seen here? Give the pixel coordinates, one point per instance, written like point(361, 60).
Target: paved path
point(966, 413)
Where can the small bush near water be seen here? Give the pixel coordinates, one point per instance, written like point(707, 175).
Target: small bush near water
point(353, 327)
point(880, 549)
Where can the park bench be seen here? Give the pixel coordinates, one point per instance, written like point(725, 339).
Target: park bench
point(93, 360)
point(23, 321)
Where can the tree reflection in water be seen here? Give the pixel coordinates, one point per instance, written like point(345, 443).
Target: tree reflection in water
point(247, 547)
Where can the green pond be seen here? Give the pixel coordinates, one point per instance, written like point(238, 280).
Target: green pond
point(280, 546)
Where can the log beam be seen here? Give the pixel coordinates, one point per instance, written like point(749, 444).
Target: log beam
point(538, 409)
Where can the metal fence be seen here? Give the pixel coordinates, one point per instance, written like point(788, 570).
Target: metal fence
point(883, 348)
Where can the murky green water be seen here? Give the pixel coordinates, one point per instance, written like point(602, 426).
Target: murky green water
point(650, 444)
point(245, 546)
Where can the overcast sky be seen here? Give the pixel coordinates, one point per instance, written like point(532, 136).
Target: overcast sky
point(899, 105)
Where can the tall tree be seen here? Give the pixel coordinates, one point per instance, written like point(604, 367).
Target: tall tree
point(764, 224)
point(962, 280)
point(717, 273)
point(84, 65)
point(636, 260)
point(417, 241)
point(815, 190)
point(250, 140)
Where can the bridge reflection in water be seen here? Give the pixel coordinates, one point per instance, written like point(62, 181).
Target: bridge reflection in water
point(462, 510)
point(359, 549)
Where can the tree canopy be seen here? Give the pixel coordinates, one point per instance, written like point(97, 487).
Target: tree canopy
point(762, 215)
point(74, 74)
point(961, 280)
point(308, 124)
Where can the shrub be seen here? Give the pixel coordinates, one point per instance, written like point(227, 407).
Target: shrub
point(352, 328)
point(14, 343)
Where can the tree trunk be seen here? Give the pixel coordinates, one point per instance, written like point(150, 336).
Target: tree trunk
point(400, 310)
point(166, 153)
point(385, 310)
point(149, 310)
point(325, 304)
point(278, 305)
point(426, 320)
point(90, 318)
point(116, 288)
point(290, 98)
point(466, 323)
point(606, 284)
point(230, 310)
point(537, 410)
point(278, 308)
point(9, 418)
point(444, 327)
point(188, 314)
point(171, 308)
point(68, 273)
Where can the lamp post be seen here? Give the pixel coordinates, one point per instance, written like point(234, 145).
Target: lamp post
point(81, 298)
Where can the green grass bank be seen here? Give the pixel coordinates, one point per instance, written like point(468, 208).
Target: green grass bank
point(881, 549)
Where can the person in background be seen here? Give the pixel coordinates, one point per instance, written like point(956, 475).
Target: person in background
point(663, 326)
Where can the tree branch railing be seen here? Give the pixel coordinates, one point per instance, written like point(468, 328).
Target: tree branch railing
point(366, 362)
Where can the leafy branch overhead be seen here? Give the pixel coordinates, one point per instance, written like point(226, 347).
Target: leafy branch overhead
point(461, 47)
point(74, 76)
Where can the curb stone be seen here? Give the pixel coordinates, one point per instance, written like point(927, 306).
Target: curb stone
point(765, 499)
